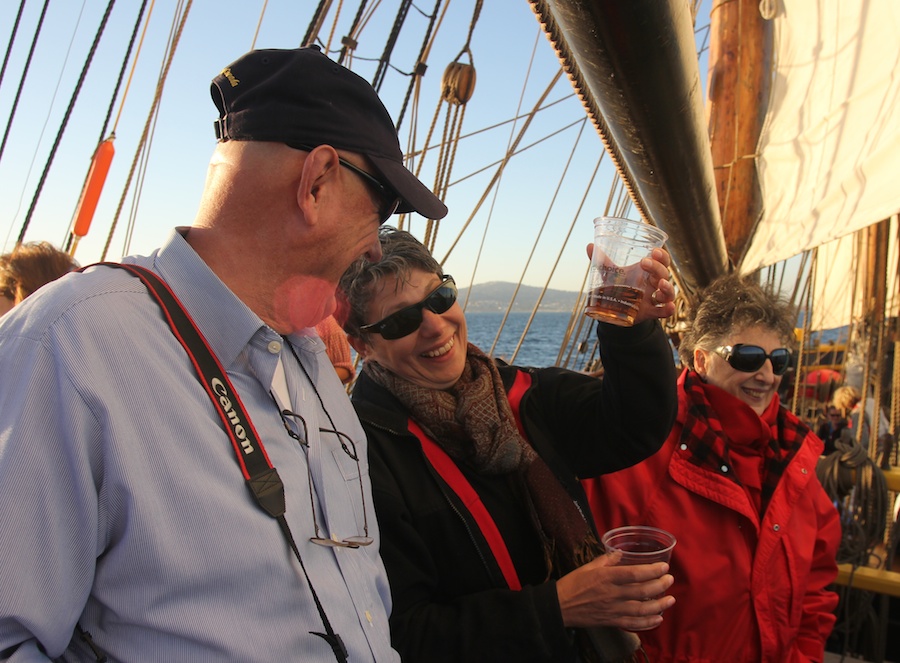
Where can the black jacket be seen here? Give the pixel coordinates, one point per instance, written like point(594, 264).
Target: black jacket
point(450, 601)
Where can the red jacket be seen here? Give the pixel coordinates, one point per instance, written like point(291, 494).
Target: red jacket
point(747, 588)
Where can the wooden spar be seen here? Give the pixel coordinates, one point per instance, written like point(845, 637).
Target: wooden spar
point(740, 57)
point(634, 65)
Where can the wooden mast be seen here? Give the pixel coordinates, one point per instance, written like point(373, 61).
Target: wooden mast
point(740, 57)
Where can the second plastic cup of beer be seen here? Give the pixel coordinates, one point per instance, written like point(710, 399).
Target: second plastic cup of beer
point(639, 544)
point(616, 282)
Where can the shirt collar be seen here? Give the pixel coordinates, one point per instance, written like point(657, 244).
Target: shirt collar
point(227, 323)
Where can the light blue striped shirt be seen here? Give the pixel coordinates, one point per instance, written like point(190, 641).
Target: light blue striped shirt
point(122, 506)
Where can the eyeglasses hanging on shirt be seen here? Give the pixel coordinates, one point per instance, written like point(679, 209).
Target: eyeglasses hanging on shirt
point(346, 542)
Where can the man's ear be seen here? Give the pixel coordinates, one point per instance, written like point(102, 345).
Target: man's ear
point(317, 185)
point(361, 347)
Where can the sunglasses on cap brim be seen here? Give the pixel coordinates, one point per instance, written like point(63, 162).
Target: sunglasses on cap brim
point(750, 358)
point(407, 320)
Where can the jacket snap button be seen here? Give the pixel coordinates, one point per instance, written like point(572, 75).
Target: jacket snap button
point(776, 527)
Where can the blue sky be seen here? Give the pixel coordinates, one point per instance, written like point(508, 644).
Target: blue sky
point(514, 64)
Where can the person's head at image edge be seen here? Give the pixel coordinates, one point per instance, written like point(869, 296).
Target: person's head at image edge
point(741, 339)
point(307, 168)
point(28, 267)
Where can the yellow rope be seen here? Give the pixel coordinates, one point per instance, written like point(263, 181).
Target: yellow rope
point(133, 65)
point(262, 13)
point(153, 108)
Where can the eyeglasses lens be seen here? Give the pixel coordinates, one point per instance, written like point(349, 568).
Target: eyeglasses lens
point(409, 319)
point(749, 358)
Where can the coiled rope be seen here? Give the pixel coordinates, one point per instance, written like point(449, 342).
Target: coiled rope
point(859, 491)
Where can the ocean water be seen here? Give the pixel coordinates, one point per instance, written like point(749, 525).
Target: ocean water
point(541, 345)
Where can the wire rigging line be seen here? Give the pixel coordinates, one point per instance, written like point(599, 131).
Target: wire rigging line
point(15, 105)
point(259, 24)
point(154, 107)
point(12, 40)
point(501, 167)
point(412, 154)
point(385, 59)
point(137, 23)
point(40, 136)
point(541, 232)
point(65, 122)
point(348, 43)
point(509, 142)
point(419, 71)
point(71, 239)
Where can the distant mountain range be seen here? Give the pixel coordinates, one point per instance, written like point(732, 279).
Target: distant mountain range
point(495, 295)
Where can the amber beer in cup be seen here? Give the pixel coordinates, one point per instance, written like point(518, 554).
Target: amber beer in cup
point(616, 282)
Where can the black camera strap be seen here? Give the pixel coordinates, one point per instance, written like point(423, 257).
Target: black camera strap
point(261, 477)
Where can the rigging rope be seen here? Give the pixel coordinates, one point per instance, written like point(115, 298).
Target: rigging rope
point(457, 86)
point(534, 245)
point(154, 106)
point(859, 491)
point(421, 66)
point(563, 244)
point(315, 24)
point(12, 39)
point(15, 105)
point(349, 43)
point(385, 59)
point(65, 121)
point(262, 13)
point(798, 406)
point(496, 177)
point(72, 239)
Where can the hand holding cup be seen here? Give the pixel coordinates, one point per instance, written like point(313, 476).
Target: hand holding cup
point(629, 279)
point(603, 593)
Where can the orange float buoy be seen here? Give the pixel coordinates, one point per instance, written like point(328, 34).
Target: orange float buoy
point(93, 187)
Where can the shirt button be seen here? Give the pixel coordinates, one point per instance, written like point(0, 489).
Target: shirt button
point(684, 447)
point(804, 471)
point(724, 468)
point(776, 527)
point(274, 347)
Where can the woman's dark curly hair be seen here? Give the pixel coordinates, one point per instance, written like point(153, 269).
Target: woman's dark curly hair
point(730, 305)
point(401, 254)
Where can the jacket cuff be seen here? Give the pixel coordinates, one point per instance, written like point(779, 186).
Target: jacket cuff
point(627, 335)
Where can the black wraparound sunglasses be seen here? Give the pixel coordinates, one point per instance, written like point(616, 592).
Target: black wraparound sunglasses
point(390, 201)
point(750, 358)
point(407, 320)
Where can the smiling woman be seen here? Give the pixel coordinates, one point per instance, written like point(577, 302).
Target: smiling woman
point(737, 469)
point(474, 465)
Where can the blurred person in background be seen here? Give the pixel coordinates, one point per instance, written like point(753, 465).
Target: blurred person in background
point(830, 429)
point(337, 347)
point(28, 267)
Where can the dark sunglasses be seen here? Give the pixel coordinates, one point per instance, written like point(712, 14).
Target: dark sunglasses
point(750, 358)
point(390, 200)
point(407, 320)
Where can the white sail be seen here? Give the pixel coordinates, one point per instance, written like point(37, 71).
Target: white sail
point(829, 152)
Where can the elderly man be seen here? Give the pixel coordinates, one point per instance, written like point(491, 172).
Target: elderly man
point(126, 523)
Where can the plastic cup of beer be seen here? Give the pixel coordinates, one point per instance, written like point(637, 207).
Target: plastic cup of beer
point(639, 544)
point(616, 282)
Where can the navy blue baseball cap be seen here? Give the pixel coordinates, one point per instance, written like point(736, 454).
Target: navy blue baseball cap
point(301, 97)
